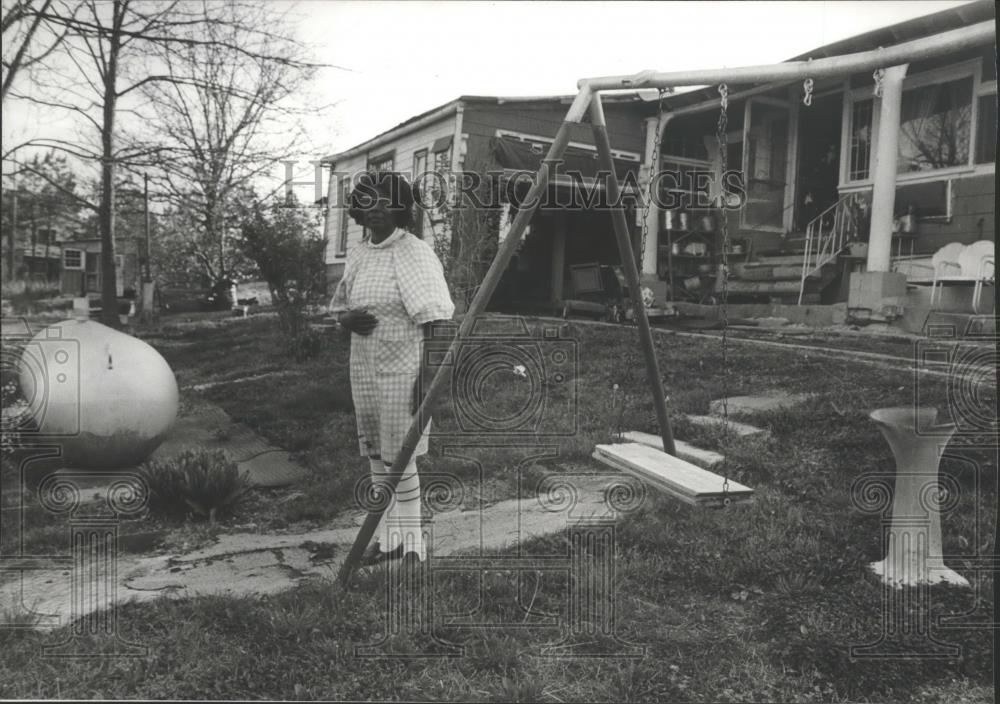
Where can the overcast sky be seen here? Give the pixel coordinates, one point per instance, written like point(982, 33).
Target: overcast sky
point(407, 57)
point(389, 61)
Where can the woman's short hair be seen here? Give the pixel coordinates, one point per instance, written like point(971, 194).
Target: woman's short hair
point(372, 186)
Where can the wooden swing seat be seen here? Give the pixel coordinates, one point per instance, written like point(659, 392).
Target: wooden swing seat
point(672, 475)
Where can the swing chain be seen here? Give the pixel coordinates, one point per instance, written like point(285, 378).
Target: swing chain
point(647, 203)
point(721, 136)
point(807, 85)
point(879, 75)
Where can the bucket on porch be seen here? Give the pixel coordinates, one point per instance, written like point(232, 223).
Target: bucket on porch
point(669, 219)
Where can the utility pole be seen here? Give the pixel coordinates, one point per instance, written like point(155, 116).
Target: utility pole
point(145, 201)
point(148, 288)
point(12, 238)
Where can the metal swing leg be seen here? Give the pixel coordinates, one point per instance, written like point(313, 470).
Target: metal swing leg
point(606, 162)
point(478, 305)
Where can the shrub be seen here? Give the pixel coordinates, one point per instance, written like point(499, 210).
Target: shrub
point(283, 241)
point(203, 483)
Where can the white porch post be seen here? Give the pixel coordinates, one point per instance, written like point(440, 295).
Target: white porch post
point(884, 177)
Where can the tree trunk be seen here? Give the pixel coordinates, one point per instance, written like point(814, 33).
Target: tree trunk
point(106, 214)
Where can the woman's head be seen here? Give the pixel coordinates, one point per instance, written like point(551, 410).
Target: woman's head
point(382, 196)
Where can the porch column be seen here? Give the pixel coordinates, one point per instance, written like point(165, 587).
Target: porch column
point(884, 177)
point(558, 257)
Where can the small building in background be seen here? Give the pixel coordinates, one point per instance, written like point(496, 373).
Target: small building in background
point(81, 267)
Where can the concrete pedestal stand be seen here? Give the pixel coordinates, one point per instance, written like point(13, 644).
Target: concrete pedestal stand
point(914, 554)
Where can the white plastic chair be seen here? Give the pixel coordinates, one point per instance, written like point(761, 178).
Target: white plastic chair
point(957, 265)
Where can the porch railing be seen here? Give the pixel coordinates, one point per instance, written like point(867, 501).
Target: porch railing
point(826, 236)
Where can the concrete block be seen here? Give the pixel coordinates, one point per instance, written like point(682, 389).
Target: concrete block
point(753, 404)
point(741, 429)
point(870, 288)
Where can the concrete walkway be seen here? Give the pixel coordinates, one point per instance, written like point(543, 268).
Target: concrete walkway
point(254, 564)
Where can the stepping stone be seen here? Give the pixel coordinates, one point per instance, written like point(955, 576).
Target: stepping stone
point(741, 429)
point(753, 404)
point(689, 453)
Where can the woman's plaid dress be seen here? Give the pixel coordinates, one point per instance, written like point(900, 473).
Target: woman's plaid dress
point(401, 282)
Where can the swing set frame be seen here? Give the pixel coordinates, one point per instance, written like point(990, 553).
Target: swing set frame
point(588, 101)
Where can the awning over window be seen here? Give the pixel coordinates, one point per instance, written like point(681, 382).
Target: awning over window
point(514, 155)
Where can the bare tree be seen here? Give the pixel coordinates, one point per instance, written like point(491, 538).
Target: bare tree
point(27, 41)
point(225, 125)
point(112, 50)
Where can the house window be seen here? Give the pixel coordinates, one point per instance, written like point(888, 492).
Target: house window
point(419, 163)
point(442, 165)
point(935, 126)
point(345, 219)
point(382, 162)
point(73, 259)
point(861, 139)
point(986, 129)
point(945, 125)
point(419, 168)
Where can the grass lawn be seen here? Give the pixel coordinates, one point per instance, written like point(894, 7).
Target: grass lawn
point(753, 603)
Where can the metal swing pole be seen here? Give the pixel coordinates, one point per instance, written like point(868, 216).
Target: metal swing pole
point(603, 144)
point(504, 253)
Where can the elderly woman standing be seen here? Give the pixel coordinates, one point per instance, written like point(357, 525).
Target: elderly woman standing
point(392, 291)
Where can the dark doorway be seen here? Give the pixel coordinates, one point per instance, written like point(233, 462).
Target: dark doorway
point(819, 158)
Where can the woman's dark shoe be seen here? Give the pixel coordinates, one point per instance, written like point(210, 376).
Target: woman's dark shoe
point(371, 553)
point(379, 557)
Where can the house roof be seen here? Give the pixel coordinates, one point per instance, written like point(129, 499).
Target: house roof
point(450, 107)
point(916, 28)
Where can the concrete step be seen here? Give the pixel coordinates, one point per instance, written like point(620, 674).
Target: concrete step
point(763, 272)
point(777, 260)
point(765, 287)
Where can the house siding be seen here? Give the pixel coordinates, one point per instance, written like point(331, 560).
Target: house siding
point(973, 217)
point(403, 149)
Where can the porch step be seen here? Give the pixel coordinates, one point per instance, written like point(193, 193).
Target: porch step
point(764, 287)
point(777, 260)
point(759, 271)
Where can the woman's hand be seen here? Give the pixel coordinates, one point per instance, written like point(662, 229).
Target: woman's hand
point(358, 321)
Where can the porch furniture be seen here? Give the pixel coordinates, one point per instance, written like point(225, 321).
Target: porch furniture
point(956, 264)
point(687, 262)
point(598, 290)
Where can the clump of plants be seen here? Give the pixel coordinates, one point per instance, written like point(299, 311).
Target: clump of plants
point(283, 240)
point(206, 484)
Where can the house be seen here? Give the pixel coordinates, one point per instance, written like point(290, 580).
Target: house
point(81, 267)
point(809, 167)
point(806, 159)
point(505, 137)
